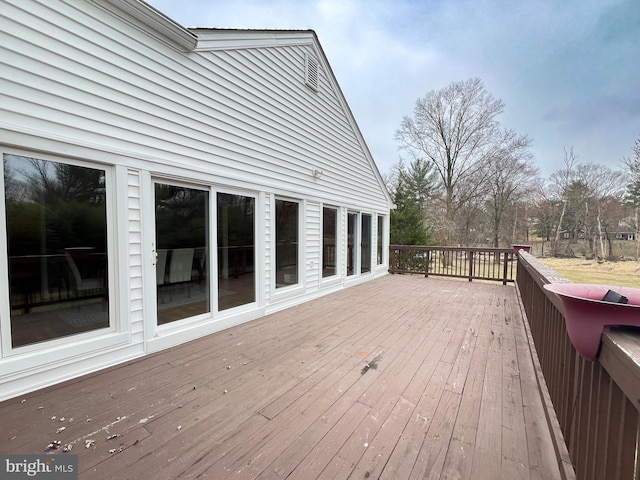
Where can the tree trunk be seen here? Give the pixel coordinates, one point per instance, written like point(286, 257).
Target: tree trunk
point(514, 232)
point(600, 235)
point(555, 243)
point(637, 235)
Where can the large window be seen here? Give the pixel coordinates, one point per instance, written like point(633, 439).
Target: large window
point(380, 237)
point(352, 236)
point(329, 241)
point(56, 216)
point(236, 250)
point(286, 223)
point(365, 245)
point(182, 252)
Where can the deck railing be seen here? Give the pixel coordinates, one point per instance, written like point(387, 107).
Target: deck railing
point(595, 403)
point(460, 262)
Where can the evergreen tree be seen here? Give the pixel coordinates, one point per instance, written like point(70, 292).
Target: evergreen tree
point(407, 226)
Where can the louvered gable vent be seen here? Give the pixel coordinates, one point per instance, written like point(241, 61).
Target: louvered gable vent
point(311, 73)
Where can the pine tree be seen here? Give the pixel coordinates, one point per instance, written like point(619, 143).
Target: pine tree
point(407, 226)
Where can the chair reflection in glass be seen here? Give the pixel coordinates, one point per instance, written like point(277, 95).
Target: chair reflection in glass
point(82, 284)
point(180, 267)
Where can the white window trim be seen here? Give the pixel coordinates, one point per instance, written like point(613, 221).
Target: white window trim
point(282, 293)
point(88, 342)
point(257, 256)
point(339, 275)
point(151, 322)
point(372, 244)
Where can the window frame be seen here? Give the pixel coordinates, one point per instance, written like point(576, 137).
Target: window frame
point(116, 332)
point(294, 289)
point(256, 253)
point(337, 246)
point(381, 240)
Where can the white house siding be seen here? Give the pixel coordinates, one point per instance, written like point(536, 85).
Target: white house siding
point(269, 247)
point(135, 258)
point(78, 81)
point(313, 265)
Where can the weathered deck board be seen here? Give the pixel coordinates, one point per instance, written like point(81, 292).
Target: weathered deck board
point(399, 378)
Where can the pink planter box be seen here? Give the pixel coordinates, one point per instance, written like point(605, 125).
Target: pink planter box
point(587, 315)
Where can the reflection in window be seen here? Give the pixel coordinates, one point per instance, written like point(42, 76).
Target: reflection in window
point(380, 236)
point(286, 220)
point(352, 226)
point(365, 260)
point(57, 248)
point(329, 238)
point(236, 250)
point(182, 247)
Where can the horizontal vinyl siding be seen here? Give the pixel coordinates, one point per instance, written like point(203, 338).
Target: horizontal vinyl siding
point(243, 117)
point(305, 121)
point(314, 238)
point(269, 261)
point(135, 257)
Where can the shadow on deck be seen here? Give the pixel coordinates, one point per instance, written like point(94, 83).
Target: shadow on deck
point(402, 377)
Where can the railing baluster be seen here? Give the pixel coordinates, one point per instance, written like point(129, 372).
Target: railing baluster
point(428, 260)
point(595, 402)
point(458, 262)
point(504, 272)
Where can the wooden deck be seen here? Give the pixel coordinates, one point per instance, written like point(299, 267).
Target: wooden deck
point(399, 378)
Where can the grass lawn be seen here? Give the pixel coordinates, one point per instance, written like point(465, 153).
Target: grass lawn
point(624, 273)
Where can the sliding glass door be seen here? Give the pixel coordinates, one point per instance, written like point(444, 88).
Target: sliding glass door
point(236, 250)
point(182, 252)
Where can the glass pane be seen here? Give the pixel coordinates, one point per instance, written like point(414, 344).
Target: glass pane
point(329, 238)
point(380, 235)
point(352, 226)
point(57, 248)
point(286, 243)
point(236, 250)
point(182, 245)
point(365, 261)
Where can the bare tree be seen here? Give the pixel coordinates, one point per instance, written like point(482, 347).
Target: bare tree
point(545, 215)
point(632, 197)
point(456, 129)
point(511, 175)
point(602, 186)
point(560, 183)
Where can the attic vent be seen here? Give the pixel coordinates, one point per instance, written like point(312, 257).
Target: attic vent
point(311, 72)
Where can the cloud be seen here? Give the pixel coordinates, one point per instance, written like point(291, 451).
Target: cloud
point(568, 72)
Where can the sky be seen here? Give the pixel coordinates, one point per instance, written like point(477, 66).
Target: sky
point(568, 71)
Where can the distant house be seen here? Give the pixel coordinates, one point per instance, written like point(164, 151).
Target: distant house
point(625, 235)
point(163, 183)
point(568, 234)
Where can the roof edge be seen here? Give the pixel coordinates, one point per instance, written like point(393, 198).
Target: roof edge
point(231, 38)
point(158, 23)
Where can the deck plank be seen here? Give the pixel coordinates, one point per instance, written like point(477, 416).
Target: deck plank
point(398, 378)
point(433, 377)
